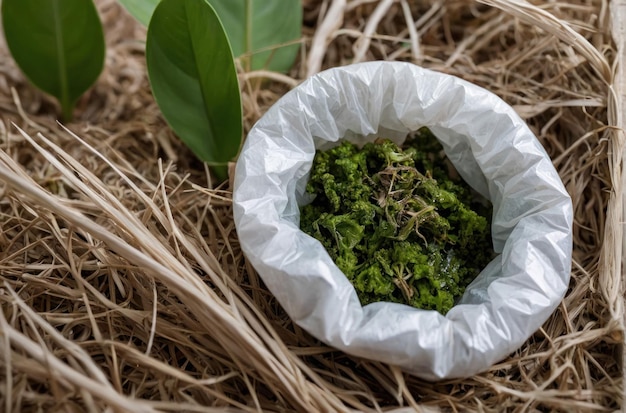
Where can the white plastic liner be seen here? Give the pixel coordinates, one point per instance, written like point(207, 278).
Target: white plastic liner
point(493, 150)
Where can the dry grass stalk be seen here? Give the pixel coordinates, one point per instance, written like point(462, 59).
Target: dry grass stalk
point(123, 285)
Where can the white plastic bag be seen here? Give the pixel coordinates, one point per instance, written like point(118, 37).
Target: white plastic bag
point(492, 149)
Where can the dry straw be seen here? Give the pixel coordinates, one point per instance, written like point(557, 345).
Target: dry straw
point(123, 287)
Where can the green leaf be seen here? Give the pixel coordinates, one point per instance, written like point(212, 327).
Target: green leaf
point(194, 81)
point(267, 31)
point(140, 9)
point(264, 33)
point(58, 44)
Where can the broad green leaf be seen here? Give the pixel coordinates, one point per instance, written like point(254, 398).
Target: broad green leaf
point(267, 31)
point(58, 44)
point(194, 81)
point(140, 9)
point(264, 33)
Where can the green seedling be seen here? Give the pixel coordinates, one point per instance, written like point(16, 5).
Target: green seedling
point(264, 34)
point(194, 80)
point(58, 45)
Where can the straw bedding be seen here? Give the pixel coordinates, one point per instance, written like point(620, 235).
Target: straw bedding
point(123, 287)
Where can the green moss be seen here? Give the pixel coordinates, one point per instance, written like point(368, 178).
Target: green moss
point(396, 223)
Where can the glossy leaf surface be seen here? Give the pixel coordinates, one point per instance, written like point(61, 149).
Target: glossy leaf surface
point(194, 81)
point(58, 44)
point(140, 9)
point(266, 31)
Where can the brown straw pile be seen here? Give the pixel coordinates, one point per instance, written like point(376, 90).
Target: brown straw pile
point(122, 284)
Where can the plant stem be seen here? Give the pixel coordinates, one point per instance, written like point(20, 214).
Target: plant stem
point(220, 171)
point(67, 110)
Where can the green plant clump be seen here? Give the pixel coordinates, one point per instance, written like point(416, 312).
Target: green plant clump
point(396, 223)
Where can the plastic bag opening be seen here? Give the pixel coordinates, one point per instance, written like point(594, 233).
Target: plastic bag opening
point(493, 150)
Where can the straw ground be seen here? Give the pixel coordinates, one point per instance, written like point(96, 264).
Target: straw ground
point(123, 287)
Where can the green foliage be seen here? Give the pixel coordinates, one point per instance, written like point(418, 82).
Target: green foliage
point(395, 223)
point(194, 81)
point(263, 33)
point(58, 44)
point(140, 9)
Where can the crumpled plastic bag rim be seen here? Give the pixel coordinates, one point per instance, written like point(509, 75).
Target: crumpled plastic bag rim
point(493, 150)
